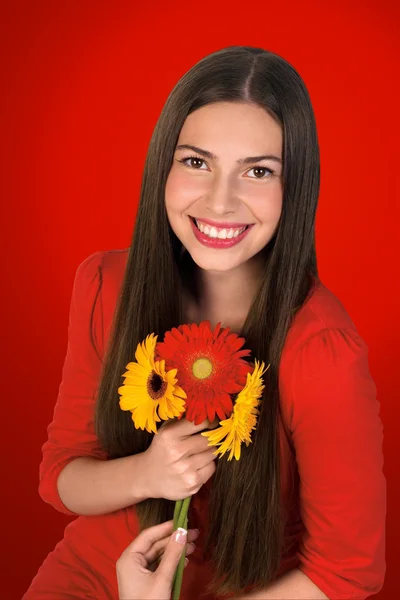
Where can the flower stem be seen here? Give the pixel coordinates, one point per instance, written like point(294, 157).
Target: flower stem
point(181, 522)
point(177, 511)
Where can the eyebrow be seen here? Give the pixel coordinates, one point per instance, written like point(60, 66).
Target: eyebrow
point(241, 161)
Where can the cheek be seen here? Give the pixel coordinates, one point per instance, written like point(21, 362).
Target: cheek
point(181, 190)
point(267, 207)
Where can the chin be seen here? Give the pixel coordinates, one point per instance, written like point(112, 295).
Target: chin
point(217, 263)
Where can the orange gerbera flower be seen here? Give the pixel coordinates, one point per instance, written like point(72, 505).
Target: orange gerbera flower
point(210, 367)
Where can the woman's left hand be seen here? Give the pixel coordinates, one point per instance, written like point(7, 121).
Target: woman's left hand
point(136, 579)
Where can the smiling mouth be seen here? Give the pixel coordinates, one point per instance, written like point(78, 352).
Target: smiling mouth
point(221, 233)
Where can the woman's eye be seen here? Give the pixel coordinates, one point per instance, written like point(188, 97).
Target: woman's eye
point(192, 161)
point(261, 172)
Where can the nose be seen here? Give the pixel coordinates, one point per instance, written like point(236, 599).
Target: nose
point(221, 199)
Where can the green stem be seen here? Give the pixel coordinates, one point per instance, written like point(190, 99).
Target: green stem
point(177, 511)
point(182, 522)
point(184, 512)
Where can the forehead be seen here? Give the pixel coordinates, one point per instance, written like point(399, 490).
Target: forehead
point(232, 124)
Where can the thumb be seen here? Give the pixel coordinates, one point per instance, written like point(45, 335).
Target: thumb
point(172, 555)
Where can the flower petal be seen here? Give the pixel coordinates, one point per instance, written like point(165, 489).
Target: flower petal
point(229, 436)
point(184, 345)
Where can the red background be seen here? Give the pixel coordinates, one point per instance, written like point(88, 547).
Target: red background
point(82, 86)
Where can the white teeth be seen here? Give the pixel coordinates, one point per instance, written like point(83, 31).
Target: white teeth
point(221, 234)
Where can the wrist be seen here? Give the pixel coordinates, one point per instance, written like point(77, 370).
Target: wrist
point(141, 488)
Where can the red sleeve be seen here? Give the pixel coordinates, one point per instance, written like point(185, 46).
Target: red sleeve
point(71, 433)
point(337, 435)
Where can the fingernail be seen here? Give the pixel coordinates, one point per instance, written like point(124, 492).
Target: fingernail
point(186, 561)
point(180, 535)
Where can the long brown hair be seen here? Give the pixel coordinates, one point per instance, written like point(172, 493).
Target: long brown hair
point(246, 521)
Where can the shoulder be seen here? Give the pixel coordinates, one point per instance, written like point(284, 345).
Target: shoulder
point(322, 332)
point(105, 268)
point(101, 273)
point(322, 311)
point(97, 284)
point(109, 264)
point(323, 354)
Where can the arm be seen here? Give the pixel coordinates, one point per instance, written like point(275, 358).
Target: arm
point(329, 399)
point(337, 435)
point(89, 486)
point(75, 475)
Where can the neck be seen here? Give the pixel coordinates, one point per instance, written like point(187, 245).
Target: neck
point(225, 296)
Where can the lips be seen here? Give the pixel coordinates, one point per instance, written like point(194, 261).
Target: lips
point(220, 224)
point(216, 242)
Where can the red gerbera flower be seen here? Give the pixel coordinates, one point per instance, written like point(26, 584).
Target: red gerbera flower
point(210, 367)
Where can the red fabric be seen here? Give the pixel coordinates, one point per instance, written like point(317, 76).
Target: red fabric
point(333, 488)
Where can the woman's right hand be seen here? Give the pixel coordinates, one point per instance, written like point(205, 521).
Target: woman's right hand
point(179, 461)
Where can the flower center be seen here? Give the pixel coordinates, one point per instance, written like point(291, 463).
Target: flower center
point(202, 368)
point(156, 386)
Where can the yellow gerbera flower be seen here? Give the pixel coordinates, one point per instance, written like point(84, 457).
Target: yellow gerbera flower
point(237, 429)
point(149, 391)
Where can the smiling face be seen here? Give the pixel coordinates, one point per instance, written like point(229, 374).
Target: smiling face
point(223, 200)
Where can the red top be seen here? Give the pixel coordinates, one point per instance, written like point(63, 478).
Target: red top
point(331, 443)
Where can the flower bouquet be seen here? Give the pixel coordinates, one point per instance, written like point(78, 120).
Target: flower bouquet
point(201, 374)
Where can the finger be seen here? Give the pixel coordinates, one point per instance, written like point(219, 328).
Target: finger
point(144, 541)
point(186, 562)
point(206, 472)
point(172, 555)
point(203, 459)
point(195, 444)
point(158, 548)
point(190, 548)
point(185, 428)
point(192, 535)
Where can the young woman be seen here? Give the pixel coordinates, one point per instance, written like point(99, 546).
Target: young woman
point(224, 232)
